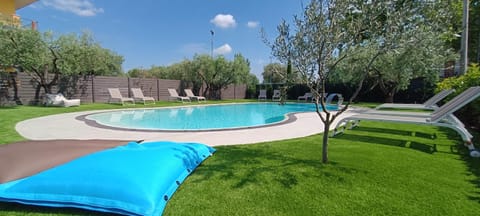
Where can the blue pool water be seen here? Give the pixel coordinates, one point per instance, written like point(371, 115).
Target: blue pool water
point(213, 117)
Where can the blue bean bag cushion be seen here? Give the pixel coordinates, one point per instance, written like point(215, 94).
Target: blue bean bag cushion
point(134, 179)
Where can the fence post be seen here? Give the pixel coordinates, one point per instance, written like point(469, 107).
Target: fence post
point(158, 89)
point(93, 88)
point(128, 87)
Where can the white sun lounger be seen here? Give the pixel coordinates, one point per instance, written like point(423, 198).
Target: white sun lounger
point(174, 95)
point(276, 95)
point(459, 99)
point(429, 104)
point(190, 94)
point(331, 98)
point(305, 97)
point(442, 117)
point(138, 95)
point(262, 95)
point(116, 95)
point(60, 100)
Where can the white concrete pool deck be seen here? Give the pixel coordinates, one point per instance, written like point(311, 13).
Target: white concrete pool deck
point(66, 126)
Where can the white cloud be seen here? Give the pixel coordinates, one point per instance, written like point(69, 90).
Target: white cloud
point(253, 24)
point(224, 21)
point(78, 7)
point(224, 49)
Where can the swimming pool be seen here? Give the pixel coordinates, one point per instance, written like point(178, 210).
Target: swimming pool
point(200, 118)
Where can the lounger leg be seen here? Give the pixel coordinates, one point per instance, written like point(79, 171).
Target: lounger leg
point(335, 132)
point(473, 152)
point(354, 123)
point(339, 128)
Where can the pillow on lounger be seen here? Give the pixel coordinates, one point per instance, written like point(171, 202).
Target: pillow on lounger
point(135, 179)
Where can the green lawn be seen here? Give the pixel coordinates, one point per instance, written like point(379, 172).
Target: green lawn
point(374, 169)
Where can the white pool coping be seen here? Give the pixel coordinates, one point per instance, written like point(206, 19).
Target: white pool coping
point(66, 126)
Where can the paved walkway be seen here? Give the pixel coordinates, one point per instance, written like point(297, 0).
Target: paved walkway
point(65, 126)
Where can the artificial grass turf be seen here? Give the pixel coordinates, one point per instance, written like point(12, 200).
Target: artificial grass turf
point(374, 169)
point(382, 174)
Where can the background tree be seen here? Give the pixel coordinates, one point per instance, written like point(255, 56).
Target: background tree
point(455, 23)
point(417, 54)
point(277, 73)
point(45, 57)
point(251, 82)
point(218, 73)
point(411, 44)
point(272, 73)
point(474, 28)
point(26, 50)
point(141, 73)
point(189, 75)
point(81, 56)
point(470, 113)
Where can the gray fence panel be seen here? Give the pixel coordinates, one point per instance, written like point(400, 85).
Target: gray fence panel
point(102, 83)
point(164, 85)
point(234, 92)
point(149, 86)
point(93, 89)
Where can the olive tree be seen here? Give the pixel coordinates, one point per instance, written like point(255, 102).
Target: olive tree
point(280, 74)
point(203, 70)
point(313, 48)
point(411, 45)
point(330, 32)
point(46, 57)
point(272, 73)
point(26, 50)
point(81, 56)
point(218, 73)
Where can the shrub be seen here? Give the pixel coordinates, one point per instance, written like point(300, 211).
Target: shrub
point(470, 114)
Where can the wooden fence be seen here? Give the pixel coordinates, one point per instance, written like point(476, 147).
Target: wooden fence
point(93, 89)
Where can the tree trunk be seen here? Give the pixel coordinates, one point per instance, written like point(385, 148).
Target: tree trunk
point(388, 89)
point(478, 47)
point(326, 129)
point(283, 95)
point(389, 97)
point(206, 92)
point(37, 95)
point(47, 89)
point(15, 90)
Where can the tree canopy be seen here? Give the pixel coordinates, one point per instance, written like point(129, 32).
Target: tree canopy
point(46, 57)
point(357, 39)
point(272, 73)
point(215, 73)
point(411, 45)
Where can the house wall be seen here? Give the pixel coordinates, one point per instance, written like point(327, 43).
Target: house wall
point(7, 8)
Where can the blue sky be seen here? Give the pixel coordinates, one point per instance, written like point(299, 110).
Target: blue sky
point(162, 32)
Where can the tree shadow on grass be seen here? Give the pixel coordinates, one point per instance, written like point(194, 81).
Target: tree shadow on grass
point(382, 130)
point(457, 147)
point(8, 107)
point(450, 133)
point(473, 165)
point(426, 148)
point(246, 166)
point(395, 132)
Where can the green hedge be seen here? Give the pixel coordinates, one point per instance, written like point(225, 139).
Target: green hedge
point(470, 114)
